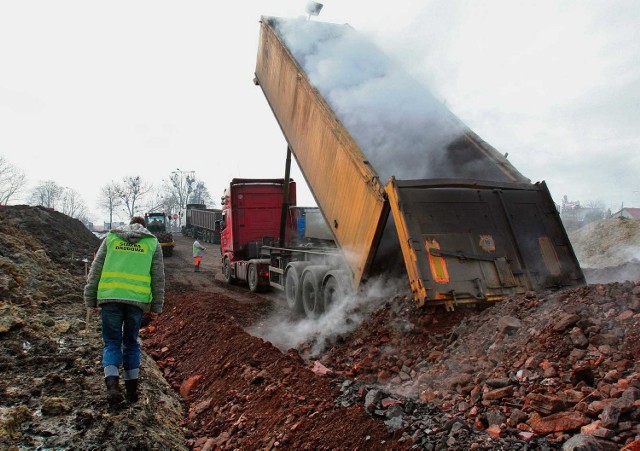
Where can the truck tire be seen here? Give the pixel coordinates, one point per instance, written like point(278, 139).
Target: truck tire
point(252, 278)
point(312, 299)
point(293, 285)
point(335, 287)
point(226, 271)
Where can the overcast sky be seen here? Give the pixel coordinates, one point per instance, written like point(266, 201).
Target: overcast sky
point(92, 91)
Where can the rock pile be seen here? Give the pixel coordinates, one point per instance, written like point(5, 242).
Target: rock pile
point(556, 365)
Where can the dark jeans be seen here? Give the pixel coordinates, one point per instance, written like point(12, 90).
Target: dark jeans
point(120, 326)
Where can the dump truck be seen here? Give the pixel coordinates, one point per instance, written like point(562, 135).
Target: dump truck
point(157, 224)
point(251, 218)
point(256, 249)
point(454, 217)
point(202, 223)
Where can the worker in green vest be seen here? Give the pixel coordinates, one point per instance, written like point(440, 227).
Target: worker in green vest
point(126, 279)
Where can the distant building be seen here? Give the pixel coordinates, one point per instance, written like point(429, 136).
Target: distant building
point(573, 211)
point(106, 226)
point(574, 215)
point(631, 213)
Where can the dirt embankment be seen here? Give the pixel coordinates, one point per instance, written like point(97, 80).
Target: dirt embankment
point(542, 371)
point(50, 371)
point(608, 250)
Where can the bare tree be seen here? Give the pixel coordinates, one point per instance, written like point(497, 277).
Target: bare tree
point(73, 205)
point(132, 190)
point(597, 204)
point(596, 210)
point(110, 199)
point(201, 195)
point(47, 194)
point(12, 181)
point(183, 184)
point(167, 201)
point(170, 201)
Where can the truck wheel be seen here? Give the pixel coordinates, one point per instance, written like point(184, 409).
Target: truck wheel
point(226, 271)
point(312, 299)
point(293, 285)
point(336, 287)
point(252, 278)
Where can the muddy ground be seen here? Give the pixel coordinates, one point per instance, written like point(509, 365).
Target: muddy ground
point(227, 369)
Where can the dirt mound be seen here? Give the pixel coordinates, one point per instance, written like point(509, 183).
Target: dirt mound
point(50, 371)
point(607, 243)
point(65, 240)
point(27, 274)
point(243, 392)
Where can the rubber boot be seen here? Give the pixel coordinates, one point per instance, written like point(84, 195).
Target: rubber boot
point(131, 390)
point(195, 268)
point(113, 389)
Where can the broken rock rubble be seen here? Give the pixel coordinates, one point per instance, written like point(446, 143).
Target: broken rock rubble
point(550, 365)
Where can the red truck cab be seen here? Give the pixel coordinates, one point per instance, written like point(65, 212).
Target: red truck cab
point(251, 217)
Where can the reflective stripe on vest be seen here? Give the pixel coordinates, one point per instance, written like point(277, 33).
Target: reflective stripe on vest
point(126, 270)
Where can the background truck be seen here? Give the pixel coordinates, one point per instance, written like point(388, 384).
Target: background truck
point(202, 222)
point(157, 224)
point(456, 238)
point(257, 250)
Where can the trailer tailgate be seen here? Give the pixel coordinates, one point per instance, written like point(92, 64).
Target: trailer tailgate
point(470, 241)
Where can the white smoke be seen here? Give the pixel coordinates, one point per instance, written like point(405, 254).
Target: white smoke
point(399, 126)
point(342, 318)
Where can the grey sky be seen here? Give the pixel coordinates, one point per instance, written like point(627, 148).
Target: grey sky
point(92, 91)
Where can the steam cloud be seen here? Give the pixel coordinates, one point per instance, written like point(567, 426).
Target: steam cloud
point(399, 126)
point(342, 317)
point(401, 129)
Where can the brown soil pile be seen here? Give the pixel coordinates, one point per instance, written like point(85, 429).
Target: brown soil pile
point(607, 243)
point(242, 392)
point(608, 250)
point(67, 240)
point(50, 372)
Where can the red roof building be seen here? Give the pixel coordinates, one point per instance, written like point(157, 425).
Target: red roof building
point(631, 213)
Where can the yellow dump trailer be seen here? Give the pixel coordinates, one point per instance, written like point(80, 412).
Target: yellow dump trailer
point(343, 183)
point(468, 226)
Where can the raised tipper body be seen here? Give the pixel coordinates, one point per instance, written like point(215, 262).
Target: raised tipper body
point(469, 227)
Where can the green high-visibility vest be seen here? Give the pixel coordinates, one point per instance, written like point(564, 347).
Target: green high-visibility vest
point(197, 251)
point(126, 271)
